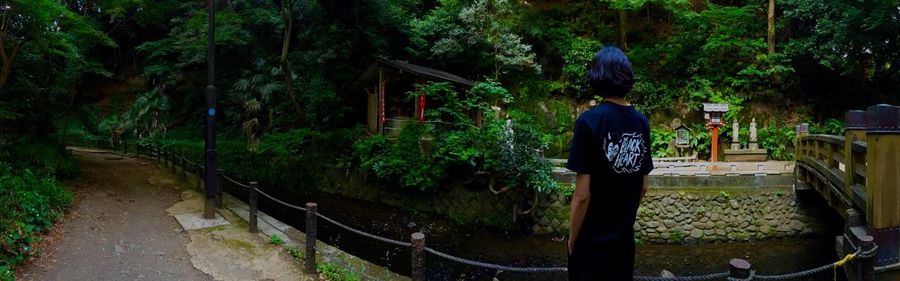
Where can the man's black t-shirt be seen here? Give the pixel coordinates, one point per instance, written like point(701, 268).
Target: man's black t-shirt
point(612, 144)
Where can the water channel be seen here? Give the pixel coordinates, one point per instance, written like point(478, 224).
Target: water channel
point(774, 256)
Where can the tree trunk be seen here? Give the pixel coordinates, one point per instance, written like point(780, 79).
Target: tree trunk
point(771, 31)
point(287, 15)
point(4, 73)
point(623, 28)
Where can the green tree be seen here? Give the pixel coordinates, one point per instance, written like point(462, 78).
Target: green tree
point(43, 28)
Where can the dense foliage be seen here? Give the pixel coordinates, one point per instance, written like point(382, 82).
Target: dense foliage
point(289, 93)
point(29, 204)
point(450, 146)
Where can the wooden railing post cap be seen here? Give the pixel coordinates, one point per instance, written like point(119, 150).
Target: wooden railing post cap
point(883, 118)
point(802, 128)
point(855, 119)
point(739, 268)
point(311, 205)
point(253, 183)
point(418, 236)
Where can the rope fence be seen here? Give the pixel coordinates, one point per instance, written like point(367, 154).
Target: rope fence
point(739, 270)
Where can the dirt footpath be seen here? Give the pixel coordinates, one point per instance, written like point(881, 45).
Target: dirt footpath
point(119, 229)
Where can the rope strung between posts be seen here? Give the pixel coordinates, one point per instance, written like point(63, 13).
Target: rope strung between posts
point(494, 266)
point(363, 233)
point(790, 276)
point(286, 204)
point(715, 276)
point(236, 182)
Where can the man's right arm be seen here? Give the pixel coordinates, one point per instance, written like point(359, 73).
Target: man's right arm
point(580, 200)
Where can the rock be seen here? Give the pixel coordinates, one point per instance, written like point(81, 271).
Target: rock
point(666, 274)
point(734, 204)
point(721, 232)
point(797, 226)
point(652, 224)
point(669, 223)
point(793, 203)
point(636, 226)
point(411, 225)
point(765, 229)
point(688, 227)
point(696, 233)
point(721, 225)
point(709, 232)
point(783, 228)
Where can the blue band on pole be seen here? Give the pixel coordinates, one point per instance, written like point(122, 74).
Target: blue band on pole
point(212, 112)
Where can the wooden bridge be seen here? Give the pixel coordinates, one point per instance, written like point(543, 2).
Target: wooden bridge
point(859, 172)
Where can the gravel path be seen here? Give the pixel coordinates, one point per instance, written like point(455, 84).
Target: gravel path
point(117, 229)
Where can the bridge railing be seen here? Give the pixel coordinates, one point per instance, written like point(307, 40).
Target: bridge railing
point(859, 170)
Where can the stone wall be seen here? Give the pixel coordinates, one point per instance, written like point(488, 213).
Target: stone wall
point(671, 215)
point(667, 215)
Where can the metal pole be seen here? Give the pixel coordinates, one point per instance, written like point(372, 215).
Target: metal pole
point(218, 196)
point(418, 256)
point(211, 168)
point(738, 269)
point(311, 238)
point(253, 207)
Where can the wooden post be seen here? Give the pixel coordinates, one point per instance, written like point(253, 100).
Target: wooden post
point(854, 129)
point(866, 266)
point(883, 158)
point(715, 144)
point(738, 269)
point(311, 238)
point(253, 201)
point(801, 131)
point(418, 256)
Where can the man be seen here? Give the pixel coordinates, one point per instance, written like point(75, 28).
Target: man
point(611, 155)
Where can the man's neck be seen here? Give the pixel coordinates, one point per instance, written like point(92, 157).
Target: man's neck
point(617, 100)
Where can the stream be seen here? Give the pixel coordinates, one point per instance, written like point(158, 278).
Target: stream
point(768, 257)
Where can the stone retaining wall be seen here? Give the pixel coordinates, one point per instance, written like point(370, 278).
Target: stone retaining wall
point(667, 215)
point(670, 215)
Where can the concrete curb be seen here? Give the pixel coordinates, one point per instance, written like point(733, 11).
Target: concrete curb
point(269, 226)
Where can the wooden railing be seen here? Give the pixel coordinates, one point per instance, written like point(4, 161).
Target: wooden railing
point(858, 171)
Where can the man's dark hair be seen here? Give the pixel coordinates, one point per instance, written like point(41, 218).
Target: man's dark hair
point(610, 74)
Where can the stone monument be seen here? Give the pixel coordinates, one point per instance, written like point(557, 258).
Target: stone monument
point(751, 153)
point(753, 144)
point(735, 131)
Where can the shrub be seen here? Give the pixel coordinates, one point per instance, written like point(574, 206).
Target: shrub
point(29, 203)
point(450, 147)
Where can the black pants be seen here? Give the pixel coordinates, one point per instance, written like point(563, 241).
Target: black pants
point(596, 261)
